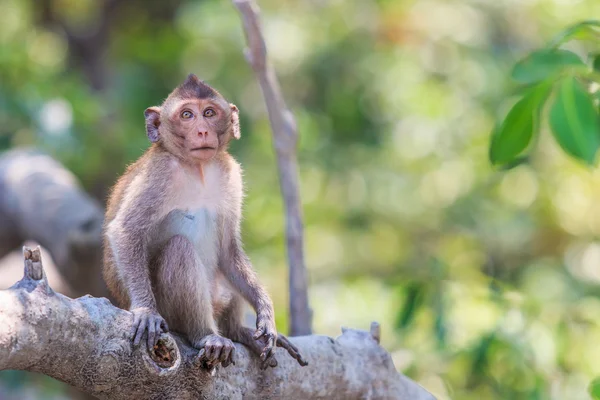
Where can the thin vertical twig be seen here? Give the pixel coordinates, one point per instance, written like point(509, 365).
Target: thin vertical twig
point(285, 139)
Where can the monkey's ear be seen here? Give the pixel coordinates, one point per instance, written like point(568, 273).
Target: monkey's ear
point(152, 115)
point(235, 121)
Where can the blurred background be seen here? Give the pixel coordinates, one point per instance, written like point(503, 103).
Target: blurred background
point(486, 283)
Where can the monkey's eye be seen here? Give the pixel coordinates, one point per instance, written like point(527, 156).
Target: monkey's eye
point(187, 114)
point(209, 112)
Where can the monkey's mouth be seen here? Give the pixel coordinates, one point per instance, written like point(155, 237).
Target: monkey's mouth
point(203, 148)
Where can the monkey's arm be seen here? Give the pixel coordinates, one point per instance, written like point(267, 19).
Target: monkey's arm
point(236, 266)
point(128, 236)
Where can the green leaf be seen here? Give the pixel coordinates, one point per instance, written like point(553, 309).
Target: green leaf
point(515, 163)
point(594, 389)
point(596, 63)
point(574, 121)
point(519, 126)
point(542, 64)
point(581, 30)
point(415, 294)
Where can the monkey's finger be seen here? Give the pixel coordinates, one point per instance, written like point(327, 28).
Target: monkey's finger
point(271, 362)
point(216, 355)
point(134, 326)
point(225, 356)
point(210, 351)
point(266, 353)
point(298, 357)
point(164, 326)
point(202, 355)
point(259, 332)
point(151, 335)
point(284, 342)
point(268, 350)
point(292, 350)
point(289, 348)
point(140, 331)
point(271, 341)
point(231, 355)
point(158, 331)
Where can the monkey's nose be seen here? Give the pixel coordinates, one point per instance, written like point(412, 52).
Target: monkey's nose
point(200, 133)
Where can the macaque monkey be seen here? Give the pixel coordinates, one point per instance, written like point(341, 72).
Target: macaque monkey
point(172, 249)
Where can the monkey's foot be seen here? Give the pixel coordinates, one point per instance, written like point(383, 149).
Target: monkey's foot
point(292, 350)
point(216, 350)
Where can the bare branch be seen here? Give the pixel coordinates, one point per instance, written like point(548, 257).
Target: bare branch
point(376, 331)
point(42, 201)
point(285, 138)
point(84, 342)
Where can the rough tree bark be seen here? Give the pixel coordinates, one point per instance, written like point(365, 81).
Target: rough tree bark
point(40, 200)
point(285, 139)
point(84, 342)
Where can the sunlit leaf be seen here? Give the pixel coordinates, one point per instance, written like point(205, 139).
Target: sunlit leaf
point(594, 389)
point(519, 126)
point(414, 299)
point(580, 31)
point(440, 329)
point(596, 96)
point(480, 355)
point(574, 120)
point(510, 165)
point(596, 63)
point(542, 64)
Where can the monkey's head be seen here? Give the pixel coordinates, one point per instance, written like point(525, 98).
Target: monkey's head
point(195, 122)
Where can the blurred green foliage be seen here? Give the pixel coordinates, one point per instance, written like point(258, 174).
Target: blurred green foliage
point(573, 116)
point(486, 282)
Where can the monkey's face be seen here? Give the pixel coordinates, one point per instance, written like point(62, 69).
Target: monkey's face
point(196, 127)
point(195, 122)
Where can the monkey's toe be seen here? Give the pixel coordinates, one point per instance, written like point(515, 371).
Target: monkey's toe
point(216, 350)
point(292, 350)
point(270, 362)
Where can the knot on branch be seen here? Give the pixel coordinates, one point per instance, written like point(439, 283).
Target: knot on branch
point(33, 275)
point(376, 331)
point(33, 263)
point(165, 358)
point(354, 336)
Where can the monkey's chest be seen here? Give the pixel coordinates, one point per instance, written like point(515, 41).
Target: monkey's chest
point(198, 225)
point(192, 211)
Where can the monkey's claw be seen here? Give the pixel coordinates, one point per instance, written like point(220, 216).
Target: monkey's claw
point(270, 362)
point(147, 319)
point(266, 335)
point(292, 350)
point(216, 350)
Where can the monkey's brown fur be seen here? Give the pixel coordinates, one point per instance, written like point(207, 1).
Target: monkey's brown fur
point(172, 248)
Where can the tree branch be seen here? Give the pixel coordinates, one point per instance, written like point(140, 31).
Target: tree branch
point(84, 342)
point(285, 138)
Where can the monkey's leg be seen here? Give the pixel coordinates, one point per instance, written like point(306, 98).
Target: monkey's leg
point(230, 323)
point(184, 300)
point(231, 326)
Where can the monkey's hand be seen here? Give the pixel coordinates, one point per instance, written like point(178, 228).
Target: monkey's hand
point(266, 334)
point(216, 349)
point(147, 319)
